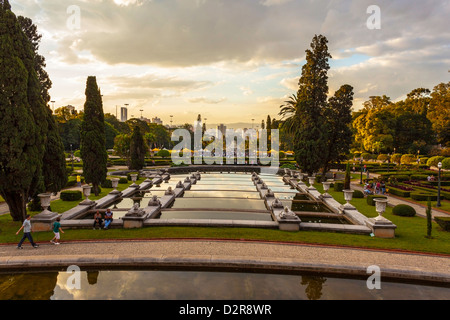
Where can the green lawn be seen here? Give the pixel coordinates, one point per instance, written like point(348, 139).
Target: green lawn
point(410, 233)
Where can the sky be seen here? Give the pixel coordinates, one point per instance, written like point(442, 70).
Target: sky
point(234, 60)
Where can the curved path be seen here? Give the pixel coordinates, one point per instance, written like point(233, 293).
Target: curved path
point(244, 255)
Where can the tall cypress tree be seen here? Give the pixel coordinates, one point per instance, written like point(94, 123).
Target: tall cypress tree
point(54, 162)
point(22, 112)
point(93, 139)
point(310, 136)
point(338, 120)
point(138, 149)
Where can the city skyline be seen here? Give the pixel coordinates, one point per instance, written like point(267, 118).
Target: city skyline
point(232, 61)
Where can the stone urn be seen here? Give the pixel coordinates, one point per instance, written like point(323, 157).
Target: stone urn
point(348, 196)
point(326, 188)
point(115, 184)
point(87, 192)
point(380, 207)
point(44, 220)
point(134, 179)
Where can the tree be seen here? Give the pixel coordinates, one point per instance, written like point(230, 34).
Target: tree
point(122, 147)
point(34, 38)
point(54, 162)
point(429, 219)
point(347, 177)
point(290, 115)
point(338, 119)
point(138, 150)
point(375, 125)
point(110, 134)
point(439, 112)
point(312, 99)
point(23, 127)
point(93, 150)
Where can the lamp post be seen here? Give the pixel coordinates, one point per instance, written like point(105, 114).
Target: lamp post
point(71, 155)
point(438, 203)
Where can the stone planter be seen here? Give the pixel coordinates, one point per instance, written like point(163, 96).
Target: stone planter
point(326, 188)
point(382, 227)
point(348, 196)
point(44, 220)
point(134, 179)
point(87, 192)
point(115, 184)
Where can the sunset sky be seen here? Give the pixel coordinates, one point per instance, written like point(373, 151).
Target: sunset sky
point(233, 60)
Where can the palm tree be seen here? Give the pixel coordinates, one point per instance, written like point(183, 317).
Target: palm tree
point(289, 112)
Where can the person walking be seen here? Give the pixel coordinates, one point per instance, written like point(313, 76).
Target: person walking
point(56, 230)
point(26, 226)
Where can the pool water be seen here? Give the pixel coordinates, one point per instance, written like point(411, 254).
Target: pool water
point(216, 215)
point(204, 285)
point(219, 203)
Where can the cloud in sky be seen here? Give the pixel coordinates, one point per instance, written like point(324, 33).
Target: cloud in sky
point(177, 51)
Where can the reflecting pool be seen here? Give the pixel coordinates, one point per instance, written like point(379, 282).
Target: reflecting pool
point(204, 285)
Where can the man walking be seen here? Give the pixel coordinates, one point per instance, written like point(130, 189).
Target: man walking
point(26, 226)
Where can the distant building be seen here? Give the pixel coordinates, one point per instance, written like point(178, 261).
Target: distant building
point(71, 109)
point(223, 129)
point(123, 114)
point(157, 120)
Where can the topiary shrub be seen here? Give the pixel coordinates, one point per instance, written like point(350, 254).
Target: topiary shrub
point(404, 210)
point(123, 181)
point(358, 194)
point(433, 161)
point(338, 186)
point(443, 222)
point(408, 158)
point(446, 163)
point(370, 198)
point(107, 184)
point(71, 195)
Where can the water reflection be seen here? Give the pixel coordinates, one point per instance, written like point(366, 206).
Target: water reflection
point(198, 285)
point(314, 285)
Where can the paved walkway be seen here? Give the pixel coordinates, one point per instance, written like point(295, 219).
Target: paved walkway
point(254, 255)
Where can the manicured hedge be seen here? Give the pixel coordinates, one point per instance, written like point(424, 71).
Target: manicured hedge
point(398, 192)
point(71, 195)
point(404, 210)
point(107, 184)
point(338, 186)
point(370, 198)
point(423, 196)
point(358, 194)
point(443, 183)
point(419, 177)
point(123, 181)
point(443, 222)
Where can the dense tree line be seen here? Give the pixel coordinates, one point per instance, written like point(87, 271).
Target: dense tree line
point(412, 125)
